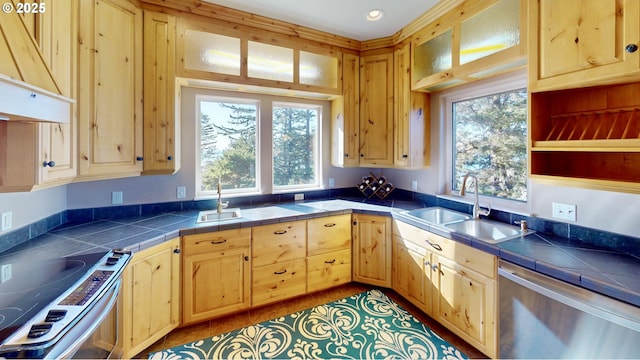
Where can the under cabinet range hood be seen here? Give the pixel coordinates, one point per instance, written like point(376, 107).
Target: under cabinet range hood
point(28, 90)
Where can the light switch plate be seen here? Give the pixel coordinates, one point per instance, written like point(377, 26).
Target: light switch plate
point(181, 192)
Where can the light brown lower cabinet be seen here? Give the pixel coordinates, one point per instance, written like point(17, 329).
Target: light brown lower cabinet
point(150, 297)
point(278, 281)
point(216, 274)
point(453, 283)
point(372, 249)
point(325, 271)
point(465, 302)
point(279, 269)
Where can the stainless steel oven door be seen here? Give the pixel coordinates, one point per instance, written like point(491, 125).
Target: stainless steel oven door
point(95, 336)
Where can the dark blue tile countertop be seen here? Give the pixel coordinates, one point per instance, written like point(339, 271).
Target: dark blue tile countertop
point(610, 272)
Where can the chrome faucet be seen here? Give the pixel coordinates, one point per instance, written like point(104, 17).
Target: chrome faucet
point(220, 204)
point(477, 210)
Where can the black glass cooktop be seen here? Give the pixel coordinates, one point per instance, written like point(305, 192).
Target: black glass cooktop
point(29, 286)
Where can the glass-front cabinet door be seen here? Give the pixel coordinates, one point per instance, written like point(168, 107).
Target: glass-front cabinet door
point(230, 56)
point(473, 41)
point(495, 29)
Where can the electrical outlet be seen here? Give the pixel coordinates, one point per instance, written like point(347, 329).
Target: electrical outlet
point(6, 220)
point(414, 185)
point(116, 197)
point(181, 192)
point(297, 197)
point(5, 273)
point(564, 211)
point(332, 182)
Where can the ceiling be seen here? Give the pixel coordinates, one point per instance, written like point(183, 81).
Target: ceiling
point(340, 17)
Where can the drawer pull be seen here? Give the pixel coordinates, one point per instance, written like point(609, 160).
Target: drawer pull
point(434, 245)
point(330, 261)
point(219, 242)
point(330, 225)
point(280, 232)
point(280, 272)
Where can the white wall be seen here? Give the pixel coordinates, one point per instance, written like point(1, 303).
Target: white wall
point(32, 206)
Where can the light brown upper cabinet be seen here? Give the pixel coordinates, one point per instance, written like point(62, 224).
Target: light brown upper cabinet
point(345, 116)
point(576, 43)
point(376, 110)
point(411, 116)
point(41, 155)
point(161, 122)
point(472, 41)
point(110, 96)
point(379, 121)
point(59, 25)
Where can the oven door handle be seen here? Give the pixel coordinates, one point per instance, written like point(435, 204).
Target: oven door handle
point(88, 324)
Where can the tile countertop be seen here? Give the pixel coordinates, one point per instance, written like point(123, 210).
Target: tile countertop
point(605, 271)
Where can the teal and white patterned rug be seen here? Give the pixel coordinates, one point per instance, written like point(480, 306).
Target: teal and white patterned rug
point(368, 325)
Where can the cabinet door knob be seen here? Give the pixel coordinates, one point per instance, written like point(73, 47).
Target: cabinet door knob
point(246, 258)
point(346, 155)
point(361, 155)
point(631, 48)
point(49, 163)
point(404, 156)
point(176, 251)
point(169, 157)
point(139, 158)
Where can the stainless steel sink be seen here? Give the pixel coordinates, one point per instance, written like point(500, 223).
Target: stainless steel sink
point(488, 231)
point(214, 215)
point(437, 215)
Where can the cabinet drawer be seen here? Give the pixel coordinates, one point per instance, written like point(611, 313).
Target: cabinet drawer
point(328, 270)
point(279, 242)
point(328, 234)
point(423, 238)
point(216, 241)
point(278, 281)
point(474, 259)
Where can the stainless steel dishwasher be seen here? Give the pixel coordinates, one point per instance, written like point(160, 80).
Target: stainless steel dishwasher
point(541, 317)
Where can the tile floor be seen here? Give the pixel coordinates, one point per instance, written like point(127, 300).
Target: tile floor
point(254, 316)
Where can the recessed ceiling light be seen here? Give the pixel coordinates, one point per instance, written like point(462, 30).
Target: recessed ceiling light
point(375, 15)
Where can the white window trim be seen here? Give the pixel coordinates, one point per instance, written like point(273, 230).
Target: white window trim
point(498, 84)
